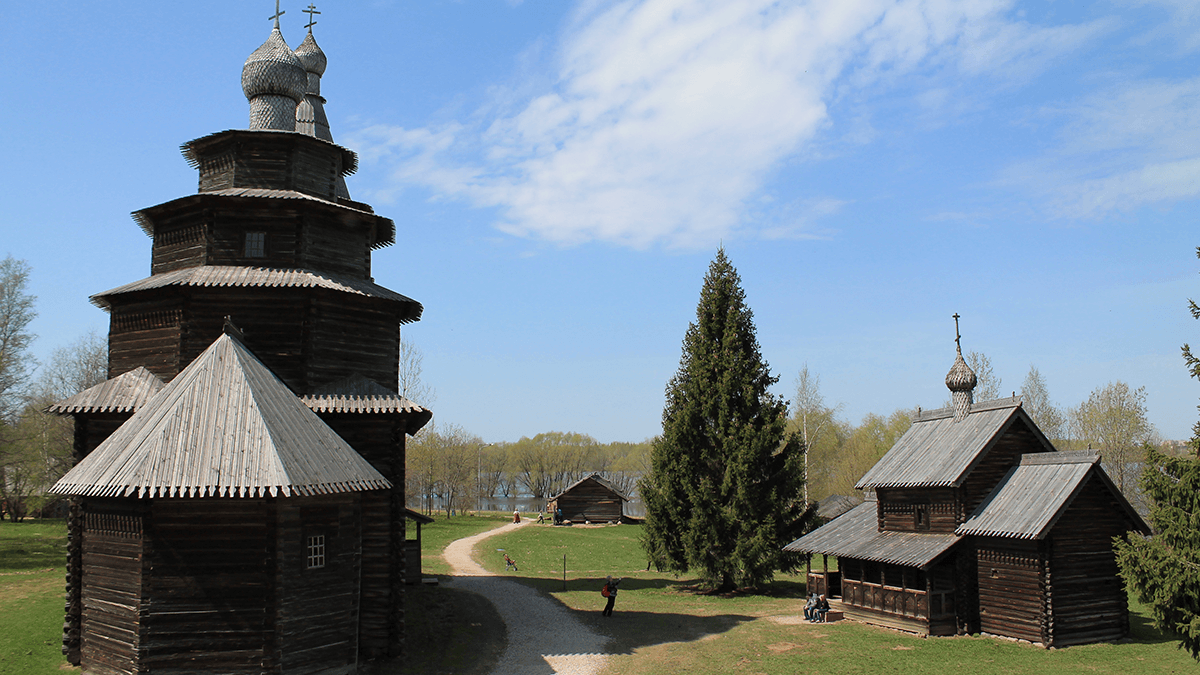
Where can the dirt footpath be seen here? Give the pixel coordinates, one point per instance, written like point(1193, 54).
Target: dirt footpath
point(543, 636)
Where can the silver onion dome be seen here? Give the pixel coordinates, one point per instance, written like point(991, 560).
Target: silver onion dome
point(960, 377)
point(274, 82)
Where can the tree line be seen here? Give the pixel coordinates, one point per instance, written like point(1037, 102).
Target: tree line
point(35, 447)
point(449, 468)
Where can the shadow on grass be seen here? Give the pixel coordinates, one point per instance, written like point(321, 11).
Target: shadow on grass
point(1141, 629)
point(631, 630)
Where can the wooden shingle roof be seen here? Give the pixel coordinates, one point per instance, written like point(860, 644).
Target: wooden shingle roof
point(358, 394)
point(226, 426)
point(856, 535)
point(263, 277)
point(599, 480)
point(938, 451)
point(124, 393)
point(1033, 495)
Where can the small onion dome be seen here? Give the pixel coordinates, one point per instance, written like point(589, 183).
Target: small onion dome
point(273, 70)
point(960, 377)
point(311, 56)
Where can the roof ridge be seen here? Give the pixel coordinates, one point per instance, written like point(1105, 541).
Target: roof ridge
point(1061, 457)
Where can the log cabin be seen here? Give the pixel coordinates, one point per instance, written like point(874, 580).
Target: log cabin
point(975, 523)
point(592, 499)
point(237, 501)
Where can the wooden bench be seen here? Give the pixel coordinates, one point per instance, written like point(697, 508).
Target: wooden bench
point(834, 615)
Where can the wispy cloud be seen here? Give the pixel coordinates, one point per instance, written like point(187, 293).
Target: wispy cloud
point(666, 117)
point(1130, 145)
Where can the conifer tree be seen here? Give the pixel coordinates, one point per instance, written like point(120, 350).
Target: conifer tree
point(724, 492)
point(1165, 568)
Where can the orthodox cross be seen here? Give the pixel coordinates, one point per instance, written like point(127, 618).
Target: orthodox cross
point(312, 9)
point(277, 14)
point(957, 337)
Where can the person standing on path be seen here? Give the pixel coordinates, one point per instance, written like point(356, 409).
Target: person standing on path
point(610, 592)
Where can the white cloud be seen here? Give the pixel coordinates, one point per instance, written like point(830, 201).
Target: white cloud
point(1134, 144)
point(667, 117)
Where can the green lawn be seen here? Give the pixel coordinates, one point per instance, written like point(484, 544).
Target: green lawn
point(435, 536)
point(32, 567)
point(663, 625)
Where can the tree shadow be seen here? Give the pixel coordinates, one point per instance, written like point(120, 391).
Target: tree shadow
point(1142, 630)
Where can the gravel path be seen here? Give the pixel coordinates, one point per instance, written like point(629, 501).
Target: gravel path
point(543, 636)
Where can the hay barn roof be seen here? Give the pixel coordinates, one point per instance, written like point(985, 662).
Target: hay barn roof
point(855, 535)
point(124, 393)
point(226, 426)
point(938, 451)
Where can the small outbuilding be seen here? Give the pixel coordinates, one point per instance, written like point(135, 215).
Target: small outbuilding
point(592, 499)
point(412, 547)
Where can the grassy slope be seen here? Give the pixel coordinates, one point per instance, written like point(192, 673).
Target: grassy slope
point(663, 626)
point(32, 567)
point(436, 536)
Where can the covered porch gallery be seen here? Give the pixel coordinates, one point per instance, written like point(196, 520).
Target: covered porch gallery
point(903, 580)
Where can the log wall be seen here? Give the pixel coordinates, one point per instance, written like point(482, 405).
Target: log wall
point(1011, 588)
point(146, 333)
point(316, 609)
point(898, 509)
point(211, 586)
point(112, 579)
point(1085, 596)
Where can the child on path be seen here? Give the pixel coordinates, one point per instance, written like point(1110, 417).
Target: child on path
point(609, 591)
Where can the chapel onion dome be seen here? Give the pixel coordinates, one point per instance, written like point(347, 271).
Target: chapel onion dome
point(274, 82)
point(960, 377)
point(312, 58)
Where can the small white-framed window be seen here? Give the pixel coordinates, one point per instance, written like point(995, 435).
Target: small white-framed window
point(316, 551)
point(256, 244)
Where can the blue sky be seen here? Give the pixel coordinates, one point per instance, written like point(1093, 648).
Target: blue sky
point(561, 174)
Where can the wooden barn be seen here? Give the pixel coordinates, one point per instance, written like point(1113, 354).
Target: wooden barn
point(975, 523)
point(592, 499)
point(238, 501)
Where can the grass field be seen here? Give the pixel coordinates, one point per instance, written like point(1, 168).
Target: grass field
point(435, 536)
point(662, 625)
point(32, 567)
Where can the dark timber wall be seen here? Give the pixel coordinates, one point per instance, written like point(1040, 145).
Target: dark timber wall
point(112, 586)
point(1011, 589)
point(1084, 593)
point(918, 509)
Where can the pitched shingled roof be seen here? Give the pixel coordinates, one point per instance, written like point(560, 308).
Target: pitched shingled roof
point(124, 393)
point(226, 426)
point(856, 535)
point(1033, 495)
point(938, 451)
point(594, 477)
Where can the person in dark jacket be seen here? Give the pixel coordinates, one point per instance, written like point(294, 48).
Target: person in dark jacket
point(610, 591)
point(820, 609)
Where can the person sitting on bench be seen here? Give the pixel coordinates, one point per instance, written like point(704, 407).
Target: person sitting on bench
point(820, 609)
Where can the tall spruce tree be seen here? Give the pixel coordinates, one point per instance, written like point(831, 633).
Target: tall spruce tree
point(1165, 569)
point(724, 492)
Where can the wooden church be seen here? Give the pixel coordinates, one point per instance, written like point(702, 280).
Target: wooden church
point(975, 523)
point(238, 496)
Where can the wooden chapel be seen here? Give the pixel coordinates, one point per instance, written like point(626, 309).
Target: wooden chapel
point(238, 493)
point(975, 523)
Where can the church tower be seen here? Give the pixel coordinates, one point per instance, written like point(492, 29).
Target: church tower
point(252, 409)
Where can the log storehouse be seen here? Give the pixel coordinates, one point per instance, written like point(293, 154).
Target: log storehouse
point(975, 523)
point(238, 493)
point(589, 500)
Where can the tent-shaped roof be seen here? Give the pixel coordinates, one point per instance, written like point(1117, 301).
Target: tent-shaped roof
point(856, 535)
point(1033, 495)
point(226, 426)
point(938, 451)
point(594, 477)
point(124, 393)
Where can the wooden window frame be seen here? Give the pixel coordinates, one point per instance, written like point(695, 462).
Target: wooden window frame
point(255, 245)
point(315, 551)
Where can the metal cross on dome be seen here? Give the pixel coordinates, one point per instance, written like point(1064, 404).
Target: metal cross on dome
point(312, 9)
point(957, 337)
point(277, 14)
